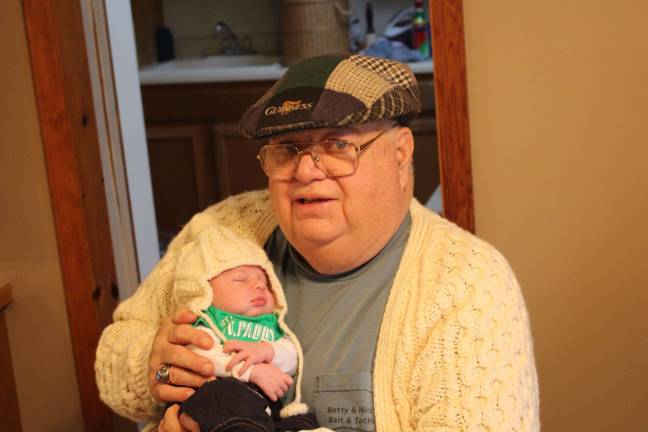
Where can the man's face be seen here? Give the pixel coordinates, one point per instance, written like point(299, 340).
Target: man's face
point(314, 210)
point(243, 290)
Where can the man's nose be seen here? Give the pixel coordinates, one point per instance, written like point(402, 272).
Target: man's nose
point(307, 171)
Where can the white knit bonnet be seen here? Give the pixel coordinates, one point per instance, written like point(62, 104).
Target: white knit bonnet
point(215, 250)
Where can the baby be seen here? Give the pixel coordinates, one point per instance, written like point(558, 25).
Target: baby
point(231, 285)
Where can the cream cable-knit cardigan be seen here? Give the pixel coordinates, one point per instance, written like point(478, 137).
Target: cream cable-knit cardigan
point(454, 350)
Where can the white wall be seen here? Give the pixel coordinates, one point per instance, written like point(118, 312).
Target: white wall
point(129, 101)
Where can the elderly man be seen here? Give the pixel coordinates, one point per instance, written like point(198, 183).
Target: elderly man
point(408, 323)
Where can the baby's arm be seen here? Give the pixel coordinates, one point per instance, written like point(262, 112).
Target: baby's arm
point(271, 380)
point(274, 378)
point(266, 364)
point(281, 354)
point(219, 358)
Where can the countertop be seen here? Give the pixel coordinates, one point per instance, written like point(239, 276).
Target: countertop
point(228, 69)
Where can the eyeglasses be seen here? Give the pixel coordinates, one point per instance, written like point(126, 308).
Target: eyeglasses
point(335, 157)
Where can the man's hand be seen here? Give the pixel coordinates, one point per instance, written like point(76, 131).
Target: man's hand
point(171, 421)
point(188, 369)
point(271, 380)
point(250, 353)
point(174, 423)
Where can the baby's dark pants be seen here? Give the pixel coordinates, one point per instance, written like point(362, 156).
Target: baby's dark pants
point(230, 405)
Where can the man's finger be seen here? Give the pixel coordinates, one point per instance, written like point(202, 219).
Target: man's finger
point(171, 420)
point(189, 423)
point(181, 356)
point(185, 334)
point(170, 393)
point(184, 378)
point(184, 316)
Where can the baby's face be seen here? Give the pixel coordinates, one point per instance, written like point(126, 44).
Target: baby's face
point(242, 290)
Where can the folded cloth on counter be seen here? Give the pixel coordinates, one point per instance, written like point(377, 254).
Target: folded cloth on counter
point(393, 50)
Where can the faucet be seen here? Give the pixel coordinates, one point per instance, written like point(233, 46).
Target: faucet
point(230, 43)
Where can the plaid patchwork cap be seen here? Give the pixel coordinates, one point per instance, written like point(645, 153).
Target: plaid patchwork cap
point(334, 90)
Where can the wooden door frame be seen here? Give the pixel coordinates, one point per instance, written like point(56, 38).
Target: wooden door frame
point(71, 145)
point(451, 102)
point(63, 90)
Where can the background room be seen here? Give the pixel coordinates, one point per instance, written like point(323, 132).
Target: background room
point(220, 57)
point(557, 100)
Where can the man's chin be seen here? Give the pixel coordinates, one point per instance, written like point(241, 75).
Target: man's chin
point(315, 232)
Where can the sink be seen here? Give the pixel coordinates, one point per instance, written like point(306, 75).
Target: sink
point(213, 69)
point(224, 61)
point(226, 68)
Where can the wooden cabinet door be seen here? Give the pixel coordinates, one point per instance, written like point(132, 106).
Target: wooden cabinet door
point(237, 167)
point(426, 156)
point(182, 169)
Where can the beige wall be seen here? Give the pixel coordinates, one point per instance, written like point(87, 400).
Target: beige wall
point(38, 327)
point(559, 126)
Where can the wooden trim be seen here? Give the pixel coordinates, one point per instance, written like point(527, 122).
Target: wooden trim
point(451, 90)
point(110, 144)
point(6, 295)
point(70, 142)
point(9, 408)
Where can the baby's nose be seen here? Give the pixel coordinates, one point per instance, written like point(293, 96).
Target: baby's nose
point(261, 286)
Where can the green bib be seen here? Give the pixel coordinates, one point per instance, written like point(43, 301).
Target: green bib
point(252, 329)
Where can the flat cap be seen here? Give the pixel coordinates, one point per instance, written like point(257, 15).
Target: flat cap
point(334, 90)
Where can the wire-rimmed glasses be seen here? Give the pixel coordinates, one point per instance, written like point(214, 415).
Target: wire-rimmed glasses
point(335, 157)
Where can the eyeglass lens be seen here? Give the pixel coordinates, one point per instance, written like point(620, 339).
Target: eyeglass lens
point(334, 157)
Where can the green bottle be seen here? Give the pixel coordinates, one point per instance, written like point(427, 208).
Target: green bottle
point(420, 40)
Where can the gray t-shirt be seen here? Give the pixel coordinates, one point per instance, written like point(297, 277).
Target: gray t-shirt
point(336, 319)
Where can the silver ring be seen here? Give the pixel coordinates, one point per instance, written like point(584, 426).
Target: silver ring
point(162, 374)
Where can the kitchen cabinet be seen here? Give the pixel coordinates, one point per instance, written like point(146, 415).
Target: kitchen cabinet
point(198, 158)
point(181, 174)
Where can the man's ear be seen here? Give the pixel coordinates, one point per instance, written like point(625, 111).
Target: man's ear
point(404, 152)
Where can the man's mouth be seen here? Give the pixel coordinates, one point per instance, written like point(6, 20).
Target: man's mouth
point(304, 200)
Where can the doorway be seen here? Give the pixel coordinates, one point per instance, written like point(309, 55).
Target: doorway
point(195, 153)
point(69, 102)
